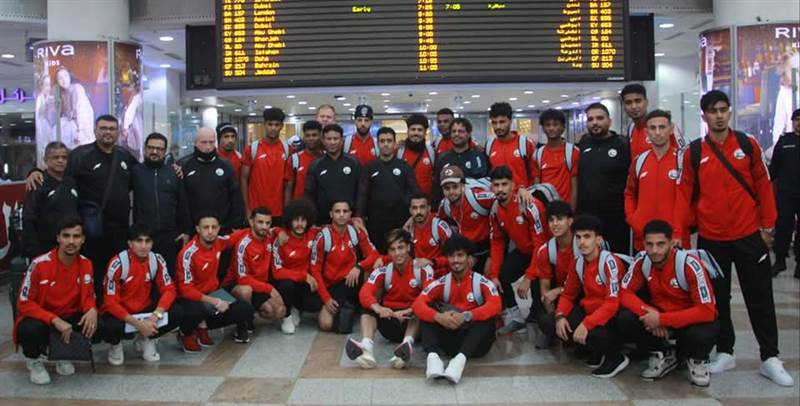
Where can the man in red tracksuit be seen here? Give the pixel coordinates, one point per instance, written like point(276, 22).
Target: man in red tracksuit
point(362, 145)
point(300, 161)
point(507, 148)
point(457, 314)
point(634, 102)
point(249, 270)
point(684, 312)
point(594, 278)
point(556, 162)
point(551, 271)
point(387, 296)
point(467, 208)
point(428, 234)
point(735, 223)
point(335, 266)
point(652, 186)
point(137, 282)
point(418, 153)
point(291, 263)
point(512, 221)
point(205, 305)
point(266, 171)
point(226, 138)
point(57, 293)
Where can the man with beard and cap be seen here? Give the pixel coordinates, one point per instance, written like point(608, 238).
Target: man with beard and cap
point(300, 161)
point(464, 155)
point(605, 160)
point(226, 138)
point(159, 201)
point(334, 177)
point(418, 153)
point(211, 185)
point(361, 145)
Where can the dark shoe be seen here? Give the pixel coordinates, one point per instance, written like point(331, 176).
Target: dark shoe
point(353, 348)
point(797, 271)
point(779, 265)
point(595, 360)
point(611, 367)
point(404, 351)
point(241, 337)
point(251, 327)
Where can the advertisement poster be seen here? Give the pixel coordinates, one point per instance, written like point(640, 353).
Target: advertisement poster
point(71, 90)
point(716, 71)
point(128, 98)
point(768, 58)
point(11, 197)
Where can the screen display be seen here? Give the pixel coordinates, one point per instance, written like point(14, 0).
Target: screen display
point(281, 43)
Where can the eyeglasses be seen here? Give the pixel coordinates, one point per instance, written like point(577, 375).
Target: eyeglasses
point(152, 148)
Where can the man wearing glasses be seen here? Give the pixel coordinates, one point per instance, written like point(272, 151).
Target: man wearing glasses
point(159, 201)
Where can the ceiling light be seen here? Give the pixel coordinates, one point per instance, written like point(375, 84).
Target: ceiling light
point(433, 93)
point(386, 107)
point(252, 114)
point(197, 99)
point(237, 110)
point(559, 107)
point(302, 103)
point(340, 98)
point(7, 56)
point(220, 105)
point(596, 98)
point(346, 104)
point(528, 92)
point(565, 96)
point(165, 65)
point(312, 108)
point(686, 102)
point(385, 94)
point(512, 99)
point(475, 96)
point(545, 101)
point(387, 101)
point(428, 100)
point(467, 102)
point(267, 106)
point(290, 96)
point(658, 54)
point(351, 109)
point(166, 38)
point(530, 106)
point(519, 110)
point(666, 25)
point(575, 103)
point(28, 121)
point(461, 107)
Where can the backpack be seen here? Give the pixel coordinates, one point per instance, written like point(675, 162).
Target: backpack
point(522, 149)
point(538, 224)
point(681, 258)
point(476, 288)
point(545, 192)
point(696, 151)
point(552, 251)
point(472, 199)
point(295, 158)
point(125, 264)
point(435, 223)
point(642, 158)
point(606, 261)
point(389, 271)
point(348, 142)
point(327, 240)
point(254, 149)
point(568, 151)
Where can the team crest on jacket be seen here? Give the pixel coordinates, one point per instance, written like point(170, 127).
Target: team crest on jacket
point(396, 171)
point(473, 216)
point(673, 174)
point(346, 170)
point(426, 161)
point(738, 154)
point(519, 220)
point(412, 283)
point(516, 153)
point(674, 283)
point(468, 165)
point(598, 279)
point(432, 242)
point(470, 297)
point(219, 172)
point(123, 165)
point(612, 153)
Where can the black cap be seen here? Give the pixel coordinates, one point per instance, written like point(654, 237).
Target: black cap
point(223, 128)
point(363, 110)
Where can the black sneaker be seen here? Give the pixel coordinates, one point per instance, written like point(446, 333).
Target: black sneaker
point(404, 351)
point(779, 265)
point(611, 366)
point(595, 360)
point(241, 337)
point(353, 348)
point(251, 327)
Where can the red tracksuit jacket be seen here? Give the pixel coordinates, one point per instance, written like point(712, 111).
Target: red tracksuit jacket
point(403, 289)
point(653, 195)
point(461, 297)
point(133, 295)
point(250, 262)
point(235, 158)
point(470, 223)
point(554, 169)
point(364, 150)
point(506, 153)
point(600, 300)
point(303, 160)
point(544, 269)
point(292, 260)
point(423, 171)
point(53, 289)
point(528, 230)
point(678, 308)
point(425, 246)
point(197, 267)
point(330, 268)
point(725, 211)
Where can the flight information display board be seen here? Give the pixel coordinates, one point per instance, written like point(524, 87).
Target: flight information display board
point(281, 43)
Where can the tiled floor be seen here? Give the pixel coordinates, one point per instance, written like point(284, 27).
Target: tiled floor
point(309, 368)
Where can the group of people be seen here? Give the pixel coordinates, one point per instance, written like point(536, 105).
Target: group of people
point(347, 226)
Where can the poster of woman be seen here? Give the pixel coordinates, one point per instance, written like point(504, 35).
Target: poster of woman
point(128, 101)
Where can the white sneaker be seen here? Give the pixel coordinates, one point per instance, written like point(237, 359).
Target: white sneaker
point(660, 364)
point(39, 375)
point(65, 368)
point(699, 373)
point(366, 360)
point(296, 317)
point(287, 325)
point(150, 350)
point(455, 368)
point(435, 367)
point(723, 362)
point(137, 343)
point(116, 355)
point(773, 369)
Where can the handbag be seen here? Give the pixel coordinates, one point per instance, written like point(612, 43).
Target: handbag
point(92, 213)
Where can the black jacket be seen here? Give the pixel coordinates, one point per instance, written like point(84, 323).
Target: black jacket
point(603, 174)
point(385, 189)
point(784, 169)
point(159, 200)
point(211, 187)
point(330, 180)
point(43, 209)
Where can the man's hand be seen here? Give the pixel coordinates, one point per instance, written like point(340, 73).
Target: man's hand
point(183, 238)
point(563, 329)
point(404, 314)
point(384, 312)
point(767, 237)
point(276, 297)
point(549, 298)
point(34, 180)
point(497, 284)
point(523, 288)
point(651, 318)
point(446, 320)
point(147, 327)
point(312, 283)
point(423, 262)
point(352, 277)
point(581, 332)
point(677, 243)
point(525, 197)
point(282, 238)
point(221, 306)
point(358, 222)
point(88, 322)
point(378, 263)
point(332, 306)
point(459, 318)
point(178, 170)
point(409, 225)
point(64, 328)
point(661, 332)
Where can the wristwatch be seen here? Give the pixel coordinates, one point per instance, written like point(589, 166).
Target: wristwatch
point(770, 231)
point(159, 315)
point(467, 316)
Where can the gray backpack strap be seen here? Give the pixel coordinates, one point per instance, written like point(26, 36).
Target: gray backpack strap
point(295, 161)
point(285, 149)
point(152, 261)
point(254, 150)
point(640, 163)
point(446, 207)
point(681, 257)
point(579, 268)
point(522, 146)
point(401, 150)
point(473, 202)
point(576, 253)
point(431, 152)
point(489, 143)
point(348, 142)
point(417, 273)
point(351, 231)
point(125, 264)
point(538, 156)
point(710, 263)
point(387, 276)
point(568, 151)
point(448, 279)
point(647, 267)
point(326, 240)
point(435, 230)
point(601, 266)
point(552, 251)
point(477, 293)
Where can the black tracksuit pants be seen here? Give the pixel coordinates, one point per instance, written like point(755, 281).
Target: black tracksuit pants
point(474, 341)
point(694, 341)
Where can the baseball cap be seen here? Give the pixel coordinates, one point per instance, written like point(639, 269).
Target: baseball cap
point(451, 174)
point(223, 128)
point(363, 110)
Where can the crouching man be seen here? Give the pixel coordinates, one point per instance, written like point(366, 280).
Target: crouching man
point(457, 313)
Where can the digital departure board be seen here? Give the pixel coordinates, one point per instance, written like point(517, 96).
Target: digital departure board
point(284, 43)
